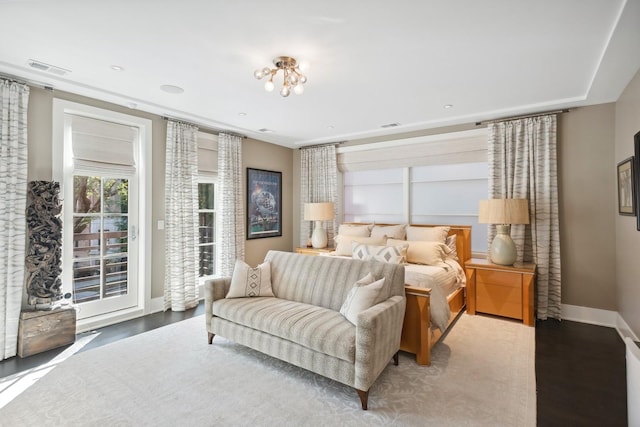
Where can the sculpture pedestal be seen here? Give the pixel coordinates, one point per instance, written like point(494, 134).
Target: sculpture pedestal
point(45, 330)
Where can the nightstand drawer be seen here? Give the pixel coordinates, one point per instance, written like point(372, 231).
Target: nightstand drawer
point(503, 278)
point(500, 299)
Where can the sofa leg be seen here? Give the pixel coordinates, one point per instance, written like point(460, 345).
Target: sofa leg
point(211, 337)
point(364, 398)
point(395, 358)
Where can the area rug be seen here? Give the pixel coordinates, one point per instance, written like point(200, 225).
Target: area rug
point(482, 374)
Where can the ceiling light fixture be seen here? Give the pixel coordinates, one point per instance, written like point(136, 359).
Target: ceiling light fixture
point(292, 76)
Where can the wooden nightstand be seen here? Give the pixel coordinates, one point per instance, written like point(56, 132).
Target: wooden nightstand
point(313, 251)
point(501, 290)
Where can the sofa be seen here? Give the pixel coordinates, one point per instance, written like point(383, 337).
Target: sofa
point(302, 322)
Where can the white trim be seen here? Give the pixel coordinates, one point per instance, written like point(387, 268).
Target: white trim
point(624, 330)
point(395, 143)
point(593, 316)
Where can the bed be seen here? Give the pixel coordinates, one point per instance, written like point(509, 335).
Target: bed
point(435, 295)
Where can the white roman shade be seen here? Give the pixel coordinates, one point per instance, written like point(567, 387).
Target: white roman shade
point(456, 147)
point(207, 154)
point(99, 144)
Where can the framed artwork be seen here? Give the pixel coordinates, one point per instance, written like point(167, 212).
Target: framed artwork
point(626, 190)
point(264, 203)
point(636, 143)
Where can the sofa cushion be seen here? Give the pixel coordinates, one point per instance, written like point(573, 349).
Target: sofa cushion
point(360, 298)
point(317, 328)
point(250, 282)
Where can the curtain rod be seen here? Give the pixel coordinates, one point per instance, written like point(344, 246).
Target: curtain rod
point(525, 116)
point(215, 131)
point(322, 145)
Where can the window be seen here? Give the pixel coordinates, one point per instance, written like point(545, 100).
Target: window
point(207, 177)
point(207, 228)
point(438, 179)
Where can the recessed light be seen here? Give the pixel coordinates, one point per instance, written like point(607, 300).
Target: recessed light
point(132, 105)
point(171, 89)
point(265, 130)
point(117, 68)
point(447, 106)
point(242, 114)
point(330, 127)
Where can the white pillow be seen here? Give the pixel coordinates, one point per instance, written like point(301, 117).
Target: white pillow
point(424, 252)
point(361, 298)
point(434, 234)
point(343, 243)
point(250, 282)
point(358, 230)
point(390, 254)
point(391, 231)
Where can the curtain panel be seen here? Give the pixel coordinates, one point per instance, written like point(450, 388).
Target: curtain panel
point(318, 184)
point(523, 165)
point(181, 217)
point(230, 236)
point(14, 100)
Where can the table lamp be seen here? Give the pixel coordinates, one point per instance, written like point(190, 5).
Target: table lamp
point(318, 212)
point(503, 213)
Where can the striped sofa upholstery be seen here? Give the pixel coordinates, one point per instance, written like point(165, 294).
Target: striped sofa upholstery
point(302, 325)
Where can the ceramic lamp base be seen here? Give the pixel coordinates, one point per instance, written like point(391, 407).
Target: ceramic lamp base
point(319, 236)
point(503, 249)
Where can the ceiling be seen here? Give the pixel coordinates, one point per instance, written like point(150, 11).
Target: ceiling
point(369, 63)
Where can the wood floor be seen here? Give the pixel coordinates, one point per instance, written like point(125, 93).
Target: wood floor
point(580, 375)
point(580, 368)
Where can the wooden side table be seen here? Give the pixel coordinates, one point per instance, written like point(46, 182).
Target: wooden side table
point(313, 251)
point(501, 290)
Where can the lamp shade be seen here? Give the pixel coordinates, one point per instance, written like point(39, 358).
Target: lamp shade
point(503, 211)
point(318, 211)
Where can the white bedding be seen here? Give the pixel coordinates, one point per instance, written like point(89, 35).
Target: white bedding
point(442, 281)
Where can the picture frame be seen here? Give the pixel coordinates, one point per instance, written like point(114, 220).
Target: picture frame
point(636, 143)
point(264, 203)
point(626, 187)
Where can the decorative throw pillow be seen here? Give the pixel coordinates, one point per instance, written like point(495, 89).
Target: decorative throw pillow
point(343, 243)
point(391, 231)
point(424, 252)
point(361, 298)
point(396, 254)
point(357, 230)
point(452, 244)
point(434, 234)
point(250, 282)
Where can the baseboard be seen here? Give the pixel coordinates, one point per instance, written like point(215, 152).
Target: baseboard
point(596, 316)
point(593, 316)
point(624, 330)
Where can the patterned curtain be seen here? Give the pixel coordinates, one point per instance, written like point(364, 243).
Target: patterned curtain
point(318, 183)
point(14, 100)
point(229, 204)
point(181, 217)
point(523, 164)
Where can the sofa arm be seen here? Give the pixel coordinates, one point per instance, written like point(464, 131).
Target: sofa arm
point(214, 289)
point(378, 334)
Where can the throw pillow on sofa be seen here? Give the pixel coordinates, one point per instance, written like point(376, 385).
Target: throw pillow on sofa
point(250, 282)
point(361, 298)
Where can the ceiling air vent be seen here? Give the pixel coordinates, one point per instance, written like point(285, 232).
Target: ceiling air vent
point(390, 125)
point(41, 66)
point(265, 130)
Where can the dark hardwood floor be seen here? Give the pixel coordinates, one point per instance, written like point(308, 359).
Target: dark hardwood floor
point(580, 368)
point(580, 375)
